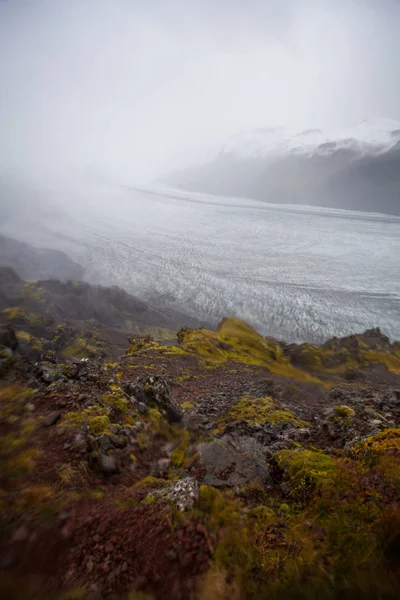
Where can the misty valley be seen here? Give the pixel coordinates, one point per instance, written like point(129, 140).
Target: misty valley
point(299, 273)
point(199, 300)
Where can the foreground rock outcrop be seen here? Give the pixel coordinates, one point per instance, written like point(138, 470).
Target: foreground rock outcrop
point(227, 466)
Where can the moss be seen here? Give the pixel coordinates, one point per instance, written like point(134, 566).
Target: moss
point(306, 470)
point(24, 336)
point(149, 499)
point(19, 465)
point(390, 361)
point(150, 481)
point(32, 291)
point(81, 347)
point(342, 414)
point(116, 401)
point(234, 340)
point(179, 454)
point(187, 405)
point(12, 399)
point(95, 418)
point(258, 411)
point(16, 314)
point(372, 448)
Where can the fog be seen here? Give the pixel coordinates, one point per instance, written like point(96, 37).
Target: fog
point(127, 90)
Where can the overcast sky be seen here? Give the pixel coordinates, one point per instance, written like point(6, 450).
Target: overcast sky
point(133, 88)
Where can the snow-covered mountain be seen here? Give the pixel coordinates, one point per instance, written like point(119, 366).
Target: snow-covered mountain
point(371, 136)
point(358, 168)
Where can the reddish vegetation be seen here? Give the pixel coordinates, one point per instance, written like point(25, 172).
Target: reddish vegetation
point(87, 511)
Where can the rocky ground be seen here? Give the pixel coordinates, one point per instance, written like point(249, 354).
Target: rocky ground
point(226, 466)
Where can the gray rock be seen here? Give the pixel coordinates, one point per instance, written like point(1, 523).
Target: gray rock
point(47, 372)
point(230, 462)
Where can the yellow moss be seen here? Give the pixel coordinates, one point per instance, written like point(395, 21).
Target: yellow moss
point(257, 411)
point(179, 454)
point(235, 340)
point(391, 362)
point(24, 336)
point(285, 369)
point(150, 481)
point(373, 447)
point(343, 415)
point(95, 418)
point(116, 400)
point(187, 405)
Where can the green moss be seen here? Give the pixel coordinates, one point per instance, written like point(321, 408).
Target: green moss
point(32, 291)
point(96, 418)
point(12, 399)
point(179, 454)
point(19, 465)
point(343, 414)
point(117, 401)
point(306, 470)
point(257, 411)
point(81, 347)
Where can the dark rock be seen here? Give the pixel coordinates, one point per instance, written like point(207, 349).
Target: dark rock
point(160, 468)
point(118, 442)
point(263, 434)
point(104, 443)
point(107, 464)
point(8, 338)
point(51, 419)
point(155, 391)
point(7, 560)
point(231, 462)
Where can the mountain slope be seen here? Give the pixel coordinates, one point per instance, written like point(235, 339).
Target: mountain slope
point(33, 264)
point(358, 169)
point(78, 318)
point(230, 467)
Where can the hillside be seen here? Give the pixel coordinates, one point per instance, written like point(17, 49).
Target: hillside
point(32, 263)
point(358, 169)
point(77, 318)
point(229, 466)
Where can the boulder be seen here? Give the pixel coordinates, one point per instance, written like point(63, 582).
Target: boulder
point(155, 391)
point(8, 338)
point(231, 462)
